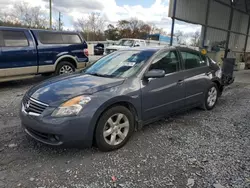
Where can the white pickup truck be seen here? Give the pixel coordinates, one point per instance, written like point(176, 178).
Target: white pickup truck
point(125, 43)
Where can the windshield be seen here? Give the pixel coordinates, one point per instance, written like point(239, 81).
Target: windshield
point(120, 64)
point(126, 43)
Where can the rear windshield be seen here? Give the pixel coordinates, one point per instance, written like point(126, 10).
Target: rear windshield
point(59, 38)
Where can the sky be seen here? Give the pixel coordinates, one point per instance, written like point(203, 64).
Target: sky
point(151, 11)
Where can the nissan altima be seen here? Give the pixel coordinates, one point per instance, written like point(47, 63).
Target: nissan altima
point(119, 94)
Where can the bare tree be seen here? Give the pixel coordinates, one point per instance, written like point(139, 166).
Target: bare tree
point(29, 16)
point(81, 24)
point(152, 28)
point(93, 26)
point(179, 36)
point(96, 22)
point(134, 26)
point(195, 38)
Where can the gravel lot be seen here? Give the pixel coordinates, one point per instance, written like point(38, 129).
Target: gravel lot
point(195, 149)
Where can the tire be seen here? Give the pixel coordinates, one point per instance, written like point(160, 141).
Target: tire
point(213, 93)
point(66, 66)
point(117, 133)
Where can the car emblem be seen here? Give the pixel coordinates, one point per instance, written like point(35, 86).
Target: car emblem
point(27, 105)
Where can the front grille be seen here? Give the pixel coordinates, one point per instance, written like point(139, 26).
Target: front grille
point(33, 106)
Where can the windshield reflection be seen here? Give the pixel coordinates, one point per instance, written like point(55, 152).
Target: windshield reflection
point(129, 43)
point(119, 64)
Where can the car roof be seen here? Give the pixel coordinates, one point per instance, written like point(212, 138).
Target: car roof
point(147, 48)
point(54, 31)
point(14, 28)
point(130, 39)
point(36, 30)
point(157, 48)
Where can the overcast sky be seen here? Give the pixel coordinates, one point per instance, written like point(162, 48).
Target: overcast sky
point(153, 11)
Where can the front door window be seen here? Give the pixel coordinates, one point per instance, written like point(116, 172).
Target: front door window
point(167, 61)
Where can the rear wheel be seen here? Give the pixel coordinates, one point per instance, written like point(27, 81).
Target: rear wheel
point(211, 97)
point(65, 67)
point(114, 128)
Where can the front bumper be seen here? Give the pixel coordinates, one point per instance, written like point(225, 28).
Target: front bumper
point(58, 131)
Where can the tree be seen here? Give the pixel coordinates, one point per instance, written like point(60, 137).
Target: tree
point(195, 39)
point(112, 32)
point(56, 25)
point(29, 16)
point(124, 29)
point(144, 31)
point(179, 37)
point(135, 25)
point(133, 28)
point(92, 27)
point(96, 22)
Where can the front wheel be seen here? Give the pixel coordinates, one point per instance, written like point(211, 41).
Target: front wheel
point(211, 97)
point(114, 128)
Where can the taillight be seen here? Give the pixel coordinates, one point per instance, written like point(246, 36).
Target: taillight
point(86, 52)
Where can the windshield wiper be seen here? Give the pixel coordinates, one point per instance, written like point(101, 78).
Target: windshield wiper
point(101, 75)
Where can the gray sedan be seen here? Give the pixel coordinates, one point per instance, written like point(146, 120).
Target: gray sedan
point(119, 94)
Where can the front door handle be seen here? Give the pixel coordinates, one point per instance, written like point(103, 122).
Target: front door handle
point(180, 82)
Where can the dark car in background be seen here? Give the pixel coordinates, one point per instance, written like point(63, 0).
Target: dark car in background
point(119, 94)
point(27, 52)
point(99, 49)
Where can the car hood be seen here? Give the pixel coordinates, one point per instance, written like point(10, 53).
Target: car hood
point(59, 89)
point(116, 47)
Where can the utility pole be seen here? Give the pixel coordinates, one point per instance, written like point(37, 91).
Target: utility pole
point(50, 14)
point(59, 21)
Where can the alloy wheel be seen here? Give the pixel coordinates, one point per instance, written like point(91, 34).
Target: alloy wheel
point(66, 69)
point(212, 96)
point(116, 129)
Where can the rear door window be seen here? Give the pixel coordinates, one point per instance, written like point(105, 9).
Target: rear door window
point(14, 39)
point(71, 39)
point(1, 39)
point(192, 60)
point(167, 61)
point(59, 38)
point(50, 38)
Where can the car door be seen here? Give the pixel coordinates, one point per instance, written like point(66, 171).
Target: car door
point(19, 55)
point(161, 96)
point(196, 76)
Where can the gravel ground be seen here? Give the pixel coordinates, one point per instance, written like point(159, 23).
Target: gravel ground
point(196, 149)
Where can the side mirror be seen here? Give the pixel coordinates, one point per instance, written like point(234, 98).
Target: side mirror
point(155, 73)
point(137, 45)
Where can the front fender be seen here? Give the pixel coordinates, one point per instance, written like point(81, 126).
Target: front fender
point(61, 56)
point(120, 99)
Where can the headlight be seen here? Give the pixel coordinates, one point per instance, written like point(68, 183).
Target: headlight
point(71, 107)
